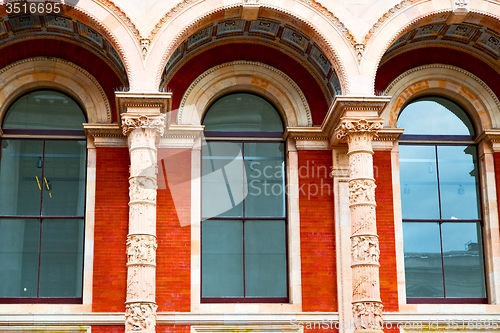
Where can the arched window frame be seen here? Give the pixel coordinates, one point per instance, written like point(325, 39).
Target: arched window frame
point(50, 136)
point(243, 138)
point(446, 141)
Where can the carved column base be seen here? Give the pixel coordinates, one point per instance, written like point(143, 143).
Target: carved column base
point(140, 317)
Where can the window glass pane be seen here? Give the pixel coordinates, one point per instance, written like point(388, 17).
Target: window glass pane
point(265, 259)
point(264, 165)
point(458, 183)
point(418, 179)
point(44, 109)
point(19, 243)
point(463, 260)
point(242, 113)
point(61, 258)
point(21, 177)
point(423, 265)
point(435, 115)
point(222, 258)
point(222, 180)
point(64, 178)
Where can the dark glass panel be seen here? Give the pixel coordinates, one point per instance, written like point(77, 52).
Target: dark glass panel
point(64, 178)
point(222, 180)
point(463, 260)
point(19, 244)
point(459, 188)
point(61, 259)
point(44, 109)
point(264, 165)
point(434, 116)
point(423, 265)
point(222, 258)
point(21, 177)
point(265, 259)
point(418, 181)
point(242, 113)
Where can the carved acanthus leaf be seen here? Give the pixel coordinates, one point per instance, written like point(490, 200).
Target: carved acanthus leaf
point(349, 126)
point(365, 249)
point(141, 249)
point(367, 315)
point(140, 317)
point(132, 122)
point(362, 191)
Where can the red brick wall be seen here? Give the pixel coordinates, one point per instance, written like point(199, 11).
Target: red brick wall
point(108, 329)
point(111, 228)
point(317, 231)
point(385, 230)
point(173, 272)
point(173, 329)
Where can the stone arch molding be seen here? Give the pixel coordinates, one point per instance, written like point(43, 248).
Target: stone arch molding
point(471, 92)
point(248, 76)
point(29, 74)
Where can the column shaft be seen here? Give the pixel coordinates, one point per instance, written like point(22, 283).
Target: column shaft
point(366, 303)
point(140, 306)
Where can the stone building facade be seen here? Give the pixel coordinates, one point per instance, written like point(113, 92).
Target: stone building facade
point(249, 165)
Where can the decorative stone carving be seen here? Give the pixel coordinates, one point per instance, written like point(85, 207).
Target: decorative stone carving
point(367, 315)
point(142, 188)
point(132, 122)
point(358, 126)
point(360, 51)
point(144, 43)
point(362, 191)
point(140, 317)
point(141, 249)
point(365, 249)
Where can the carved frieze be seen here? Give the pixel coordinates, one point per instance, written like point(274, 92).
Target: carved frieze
point(141, 249)
point(362, 191)
point(142, 188)
point(140, 317)
point(365, 249)
point(367, 315)
point(132, 122)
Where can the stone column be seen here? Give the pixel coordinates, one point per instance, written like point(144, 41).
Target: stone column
point(366, 303)
point(143, 135)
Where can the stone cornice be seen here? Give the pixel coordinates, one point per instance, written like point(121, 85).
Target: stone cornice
point(103, 130)
point(125, 101)
point(340, 106)
point(492, 137)
point(183, 132)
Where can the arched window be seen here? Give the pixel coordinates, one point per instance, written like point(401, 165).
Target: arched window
point(42, 196)
point(243, 202)
point(440, 202)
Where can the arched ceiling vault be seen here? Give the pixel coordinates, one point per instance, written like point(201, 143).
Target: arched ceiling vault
point(472, 44)
point(282, 42)
point(72, 36)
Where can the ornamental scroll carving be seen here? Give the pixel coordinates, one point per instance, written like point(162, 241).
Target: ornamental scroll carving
point(365, 249)
point(140, 317)
point(142, 188)
point(141, 249)
point(358, 126)
point(132, 122)
point(362, 191)
point(367, 315)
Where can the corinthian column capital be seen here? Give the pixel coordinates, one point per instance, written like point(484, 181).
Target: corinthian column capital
point(350, 126)
point(131, 122)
